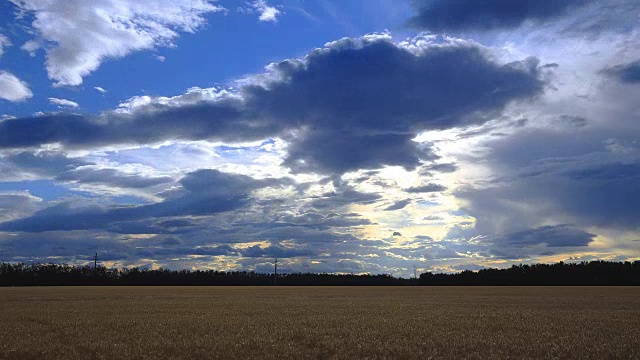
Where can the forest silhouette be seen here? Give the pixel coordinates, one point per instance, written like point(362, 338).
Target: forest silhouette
point(583, 273)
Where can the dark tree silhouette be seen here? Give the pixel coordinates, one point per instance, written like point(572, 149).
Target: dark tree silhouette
point(584, 273)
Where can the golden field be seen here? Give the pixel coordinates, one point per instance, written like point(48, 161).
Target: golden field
point(320, 322)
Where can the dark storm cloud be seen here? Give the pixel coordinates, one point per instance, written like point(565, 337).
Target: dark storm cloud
point(203, 192)
point(427, 188)
point(112, 177)
point(552, 236)
point(462, 15)
point(355, 104)
point(626, 73)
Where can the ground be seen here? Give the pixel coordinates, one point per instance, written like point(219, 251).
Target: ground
point(319, 322)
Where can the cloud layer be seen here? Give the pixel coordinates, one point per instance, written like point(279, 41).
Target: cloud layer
point(355, 104)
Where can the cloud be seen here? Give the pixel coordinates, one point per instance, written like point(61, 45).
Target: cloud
point(349, 104)
point(12, 88)
point(563, 18)
point(322, 221)
point(15, 205)
point(110, 30)
point(302, 235)
point(202, 192)
point(42, 164)
point(398, 205)
point(100, 89)
point(625, 73)
point(426, 188)
point(112, 177)
point(552, 236)
point(344, 196)
point(335, 107)
point(442, 168)
point(460, 15)
point(4, 42)
point(274, 252)
point(316, 151)
point(545, 175)
point(62, 103)
point(267, 13)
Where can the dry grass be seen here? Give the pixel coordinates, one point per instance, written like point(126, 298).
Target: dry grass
point(319, 323)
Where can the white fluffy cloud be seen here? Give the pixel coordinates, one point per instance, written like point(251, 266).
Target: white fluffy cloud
point(12, 88)
point(63, 103)
point(267, 12)
point(79, 35)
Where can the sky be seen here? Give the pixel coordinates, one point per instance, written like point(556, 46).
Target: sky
point(360, 136)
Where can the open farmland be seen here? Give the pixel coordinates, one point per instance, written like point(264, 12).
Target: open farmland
point(319, 322)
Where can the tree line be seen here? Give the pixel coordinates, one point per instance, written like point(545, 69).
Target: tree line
point(583, 273)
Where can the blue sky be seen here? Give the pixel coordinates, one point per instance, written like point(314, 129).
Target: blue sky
point(340, 136)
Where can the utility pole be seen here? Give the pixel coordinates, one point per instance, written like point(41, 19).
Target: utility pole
point(275, 272)
point(95, 262)
point(415, 275)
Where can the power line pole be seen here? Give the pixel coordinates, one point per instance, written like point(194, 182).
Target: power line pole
point(415, 276)
point(275, 272)
point(95, 262)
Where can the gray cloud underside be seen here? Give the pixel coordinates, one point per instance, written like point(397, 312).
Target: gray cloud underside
point(586, 180)
point(203, 192)
point(16, 205)
point(572, 18)
point(426, 188)
point(59, 166)
point(309, 234)
point(112, 177)
point(398, 205)
point(456, 15)
point(625, 73)
point(552, 236)
point(344, 107)
point(43, 164)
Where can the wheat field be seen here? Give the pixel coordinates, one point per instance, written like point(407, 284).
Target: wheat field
point(319, 323)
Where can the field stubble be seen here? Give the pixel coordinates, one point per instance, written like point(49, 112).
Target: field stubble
point(319, 322)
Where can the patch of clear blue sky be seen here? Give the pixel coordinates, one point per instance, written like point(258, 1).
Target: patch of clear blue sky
point(44, 189)
point(228, 47)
